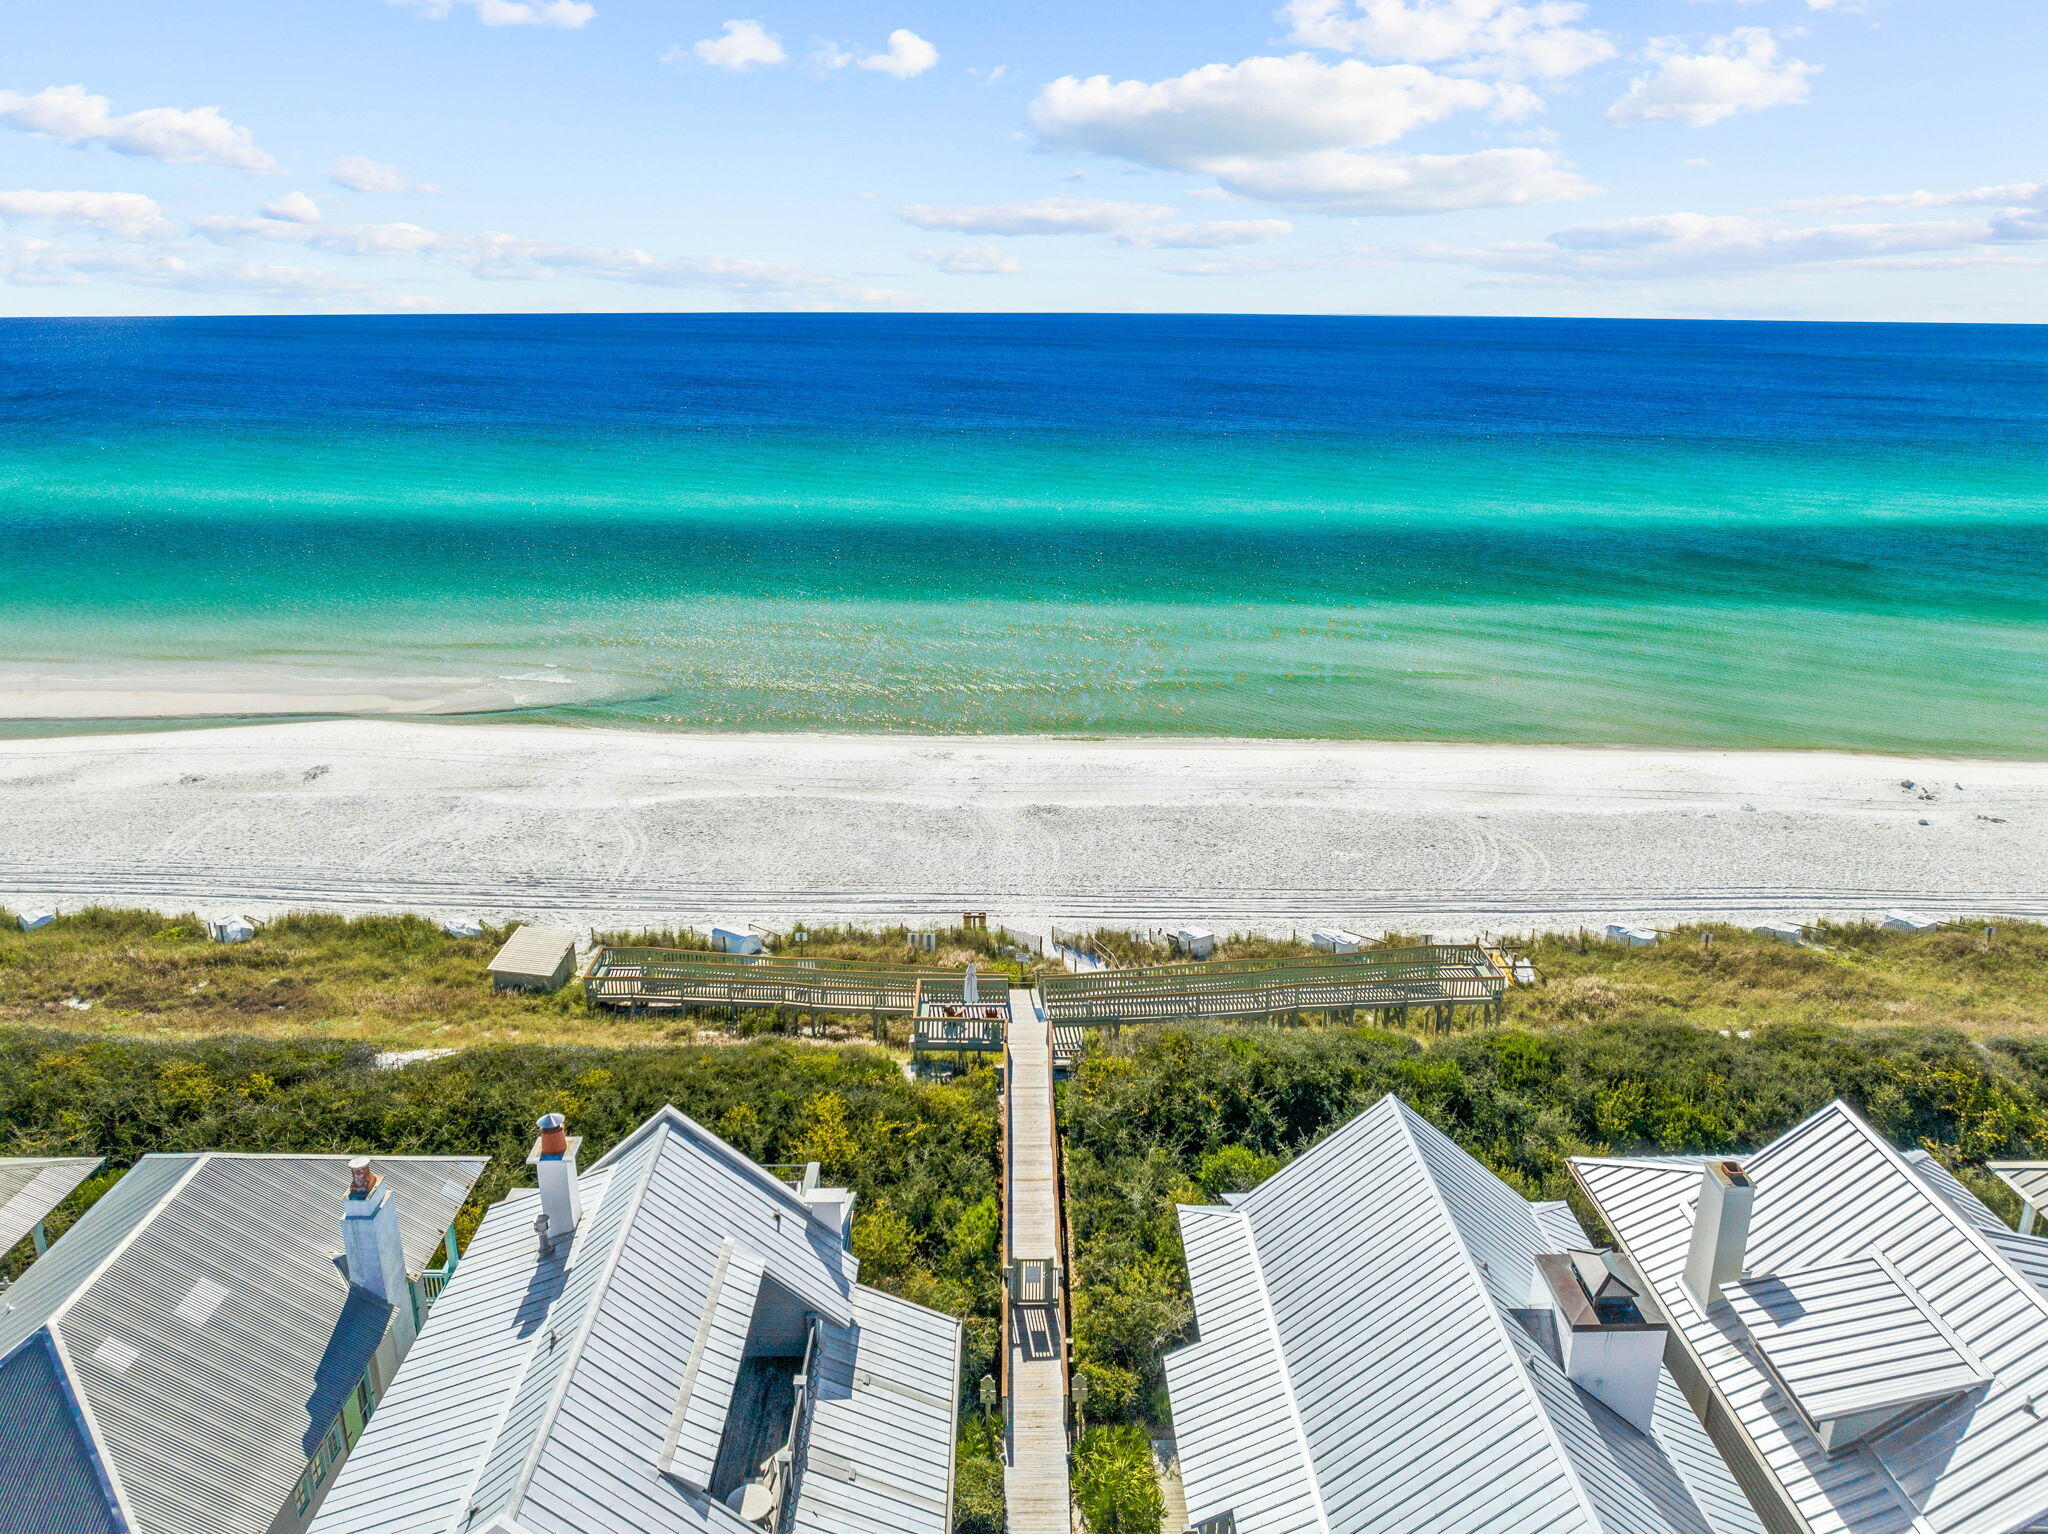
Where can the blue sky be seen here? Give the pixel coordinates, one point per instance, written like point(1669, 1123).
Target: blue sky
point(1824, 159)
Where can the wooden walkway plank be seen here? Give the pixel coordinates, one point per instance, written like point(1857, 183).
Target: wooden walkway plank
point(1035, 1479)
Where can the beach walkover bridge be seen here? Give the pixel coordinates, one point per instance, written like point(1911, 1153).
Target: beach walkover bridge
point(1430, 983)
point(1036, 1308)
point(946, 1008)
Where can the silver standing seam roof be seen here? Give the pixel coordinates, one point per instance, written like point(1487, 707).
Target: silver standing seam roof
point(1834, 1197)
point(31, 1186)
point(543, 1391)
point(1371, 1358)
point(169, 1364)
point(2029, 1179)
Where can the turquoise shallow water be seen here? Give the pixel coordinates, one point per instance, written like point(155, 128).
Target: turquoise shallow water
point(1651, 533)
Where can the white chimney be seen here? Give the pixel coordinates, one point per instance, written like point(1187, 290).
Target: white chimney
point(1610, 1347)
point(554, 1162)
point(832, 1208)
point(1720, 1229)
point(370, 1243)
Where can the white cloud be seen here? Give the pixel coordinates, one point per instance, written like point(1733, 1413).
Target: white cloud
point(1737, 73)
point(969, 260)
point(39, 263)
point(293, 208)
point(1290, 131)
point(1262, 106)
point(119, 215)
point(1471, 36)
point(1361, 185)
point(1048, 215)
point(176, 135)
point(742, 45)
point(1708, 245)
point(907, 55)
point(496, 256)
point(1145, 225)
point(2012, 195)
point(568, 14)
point(359, 173)
point(1215, 234)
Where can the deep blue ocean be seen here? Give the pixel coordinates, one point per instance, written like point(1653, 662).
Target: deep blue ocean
point(1688, 533)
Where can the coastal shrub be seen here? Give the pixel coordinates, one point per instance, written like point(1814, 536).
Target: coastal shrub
point(1183, 1115)
point(1113, 1393)
point(1115, 1486)
point(922, 1157)
point(978, 1502)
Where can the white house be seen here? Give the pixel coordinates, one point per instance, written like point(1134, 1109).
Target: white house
point(197, 1353)
point(1865, 1340)
point(671, 1340)
point(1393, 1340)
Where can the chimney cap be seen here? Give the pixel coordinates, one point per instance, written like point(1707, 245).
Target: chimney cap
point(570, 1145)
point(554, 1135)
point(1730, 1172)
point(362, 1181)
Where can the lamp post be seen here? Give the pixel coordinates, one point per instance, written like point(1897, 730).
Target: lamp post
point(1080, 1394)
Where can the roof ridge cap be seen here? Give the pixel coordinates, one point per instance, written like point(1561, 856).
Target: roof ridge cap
point(2006, 1267)
point(1272, 1324)
point(120, 1248)
point(88, 1422)
point(576, 1343)
point(1321, 1147)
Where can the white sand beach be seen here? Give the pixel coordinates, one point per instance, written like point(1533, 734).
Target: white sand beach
point(611, 827)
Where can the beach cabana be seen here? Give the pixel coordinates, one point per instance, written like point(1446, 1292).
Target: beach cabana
point(1783, 931)
point(1195, 942)
point(230, 929)
point(735, 940)
point(1633, 936)
point(1906, 921)
point(462, 926)
point(1336, 942)
point(30, 920)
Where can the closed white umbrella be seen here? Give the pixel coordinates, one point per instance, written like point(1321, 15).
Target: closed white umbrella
point(970, 988)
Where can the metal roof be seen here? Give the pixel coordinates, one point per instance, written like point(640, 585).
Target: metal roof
point(31, 1186)
point(202, 1334)
point(2029, 1179)
point(533, 951)
point(1952, 1188)
point(1829, 1192)
point(546, 1391)
point(1370, 1360)
point(1852, 1338)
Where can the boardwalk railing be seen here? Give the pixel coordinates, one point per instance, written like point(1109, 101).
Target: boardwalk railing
point(1226, 971)
point(947, 1020)
point(670, 977)
point(1441, 976)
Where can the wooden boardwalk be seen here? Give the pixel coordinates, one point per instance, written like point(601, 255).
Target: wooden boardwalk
point(1035, 1479)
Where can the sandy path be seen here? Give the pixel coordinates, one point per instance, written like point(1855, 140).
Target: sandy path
point(601, 826)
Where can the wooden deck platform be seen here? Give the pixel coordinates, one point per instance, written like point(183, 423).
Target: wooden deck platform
point(1035, 1478)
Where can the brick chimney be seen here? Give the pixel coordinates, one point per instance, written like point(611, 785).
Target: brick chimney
point(554, 1163)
